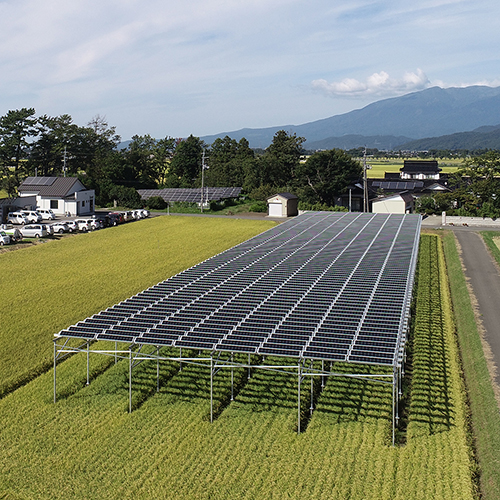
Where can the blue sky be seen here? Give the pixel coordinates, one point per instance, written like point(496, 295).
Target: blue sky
point(169, 68)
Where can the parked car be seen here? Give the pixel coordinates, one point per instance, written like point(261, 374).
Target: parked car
point(13, 232)
point(60, 227)
point(83, 225)
point(72, 225)
point(4, 238)
point(34, 231)
point(117, 216)
point(32, 216)
point(16, 218)
point(47, 214)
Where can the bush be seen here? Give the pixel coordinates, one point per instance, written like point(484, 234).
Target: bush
point(320, 207)
point(156, 203)
point(258, 206)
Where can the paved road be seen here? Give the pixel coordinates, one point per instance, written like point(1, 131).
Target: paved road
point(484, 279)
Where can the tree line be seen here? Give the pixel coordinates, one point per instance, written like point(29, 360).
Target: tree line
point(53, 146)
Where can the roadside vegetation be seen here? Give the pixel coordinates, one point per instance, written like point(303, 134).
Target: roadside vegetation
point(485, 417)
point(88, 446)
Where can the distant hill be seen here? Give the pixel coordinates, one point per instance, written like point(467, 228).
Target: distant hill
point(429, 113)
point(481, 138)
point(382, 142)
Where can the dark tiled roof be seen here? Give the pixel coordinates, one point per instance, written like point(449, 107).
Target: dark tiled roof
point(420, 166)
point(287, 196)
point(58, 187)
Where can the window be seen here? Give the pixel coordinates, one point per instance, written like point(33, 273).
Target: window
point(54, 204)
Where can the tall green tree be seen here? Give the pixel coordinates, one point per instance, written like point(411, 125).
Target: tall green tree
point(325, 175)
point(16, 128)
point(229, 161)
point(52, 151)
point(185, 167)
point(150, 159)
point(281, 159)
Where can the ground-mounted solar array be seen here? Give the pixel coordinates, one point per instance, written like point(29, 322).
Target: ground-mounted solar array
point(191, 195)
point(324, 286)
point(328, 286)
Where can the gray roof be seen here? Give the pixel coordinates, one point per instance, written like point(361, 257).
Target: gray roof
point(58, 187)
point(287, 196)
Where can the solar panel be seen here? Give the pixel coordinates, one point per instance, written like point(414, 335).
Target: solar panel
point(191, 195)
point(398, 185)
point(324, 285)
point(39, 181)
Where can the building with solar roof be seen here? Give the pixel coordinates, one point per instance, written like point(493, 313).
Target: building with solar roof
point(60, 194)
point(319, 291)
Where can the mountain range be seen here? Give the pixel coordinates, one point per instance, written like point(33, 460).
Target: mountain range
point(400, 122)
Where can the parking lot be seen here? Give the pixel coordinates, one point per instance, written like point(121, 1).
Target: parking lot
point(26, 228)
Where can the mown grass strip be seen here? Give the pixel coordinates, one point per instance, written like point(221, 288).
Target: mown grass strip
point(484, 409)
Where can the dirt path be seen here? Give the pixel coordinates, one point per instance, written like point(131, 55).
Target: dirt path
point(484, 278)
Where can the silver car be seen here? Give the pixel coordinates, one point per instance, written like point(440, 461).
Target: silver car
point(34, 231)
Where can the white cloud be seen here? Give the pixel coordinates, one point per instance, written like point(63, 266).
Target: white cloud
point(377, 85)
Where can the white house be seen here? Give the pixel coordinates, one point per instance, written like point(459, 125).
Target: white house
point(60, 194)
point(401, 203)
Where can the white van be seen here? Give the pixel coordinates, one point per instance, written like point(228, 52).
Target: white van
point(32, 216)
point(17, 218)
point(47, 214)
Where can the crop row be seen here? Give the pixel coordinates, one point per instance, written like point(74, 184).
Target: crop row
point(87, 445)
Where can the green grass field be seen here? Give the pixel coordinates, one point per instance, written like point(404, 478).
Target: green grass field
point(88, 446)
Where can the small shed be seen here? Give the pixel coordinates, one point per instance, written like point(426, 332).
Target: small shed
point(283, 205)
point(401, 203)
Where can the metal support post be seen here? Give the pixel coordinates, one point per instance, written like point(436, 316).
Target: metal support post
point(393, 412)
point(322, 376)
point(180, 357)
point(157, 369)
point(55, 364)
point(312, 391)
point(130, 380)
point(88, 362)
point(249, 367)
point(232, 377)
point(211, 389)
point(299, 371)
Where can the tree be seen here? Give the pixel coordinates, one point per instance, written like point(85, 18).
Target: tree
point(186, 162)
point(51, 152)
point(228, 161)
point(15, 129)
point(281, 159)
point(325, 175)
point(150, 159)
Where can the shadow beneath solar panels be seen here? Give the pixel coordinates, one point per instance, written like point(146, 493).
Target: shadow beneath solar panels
point(348, 399)
point(192, 382)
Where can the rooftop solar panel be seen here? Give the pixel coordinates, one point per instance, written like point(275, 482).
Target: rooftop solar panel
point(324, 285)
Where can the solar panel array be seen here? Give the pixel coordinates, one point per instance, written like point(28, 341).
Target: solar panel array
point(39, 181)
point(191, 195)
point(325, 285)
point(398, 185)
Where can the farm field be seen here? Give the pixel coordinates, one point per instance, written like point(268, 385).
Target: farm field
point(379, 167)
point(47, 287)
point(88, 446)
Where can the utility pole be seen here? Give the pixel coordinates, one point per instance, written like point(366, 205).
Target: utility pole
point(64, 162)
point(203, 167)
point(365, 184)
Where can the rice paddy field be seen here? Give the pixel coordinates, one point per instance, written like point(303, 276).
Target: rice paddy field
point(378, 167)
point(87, 445)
